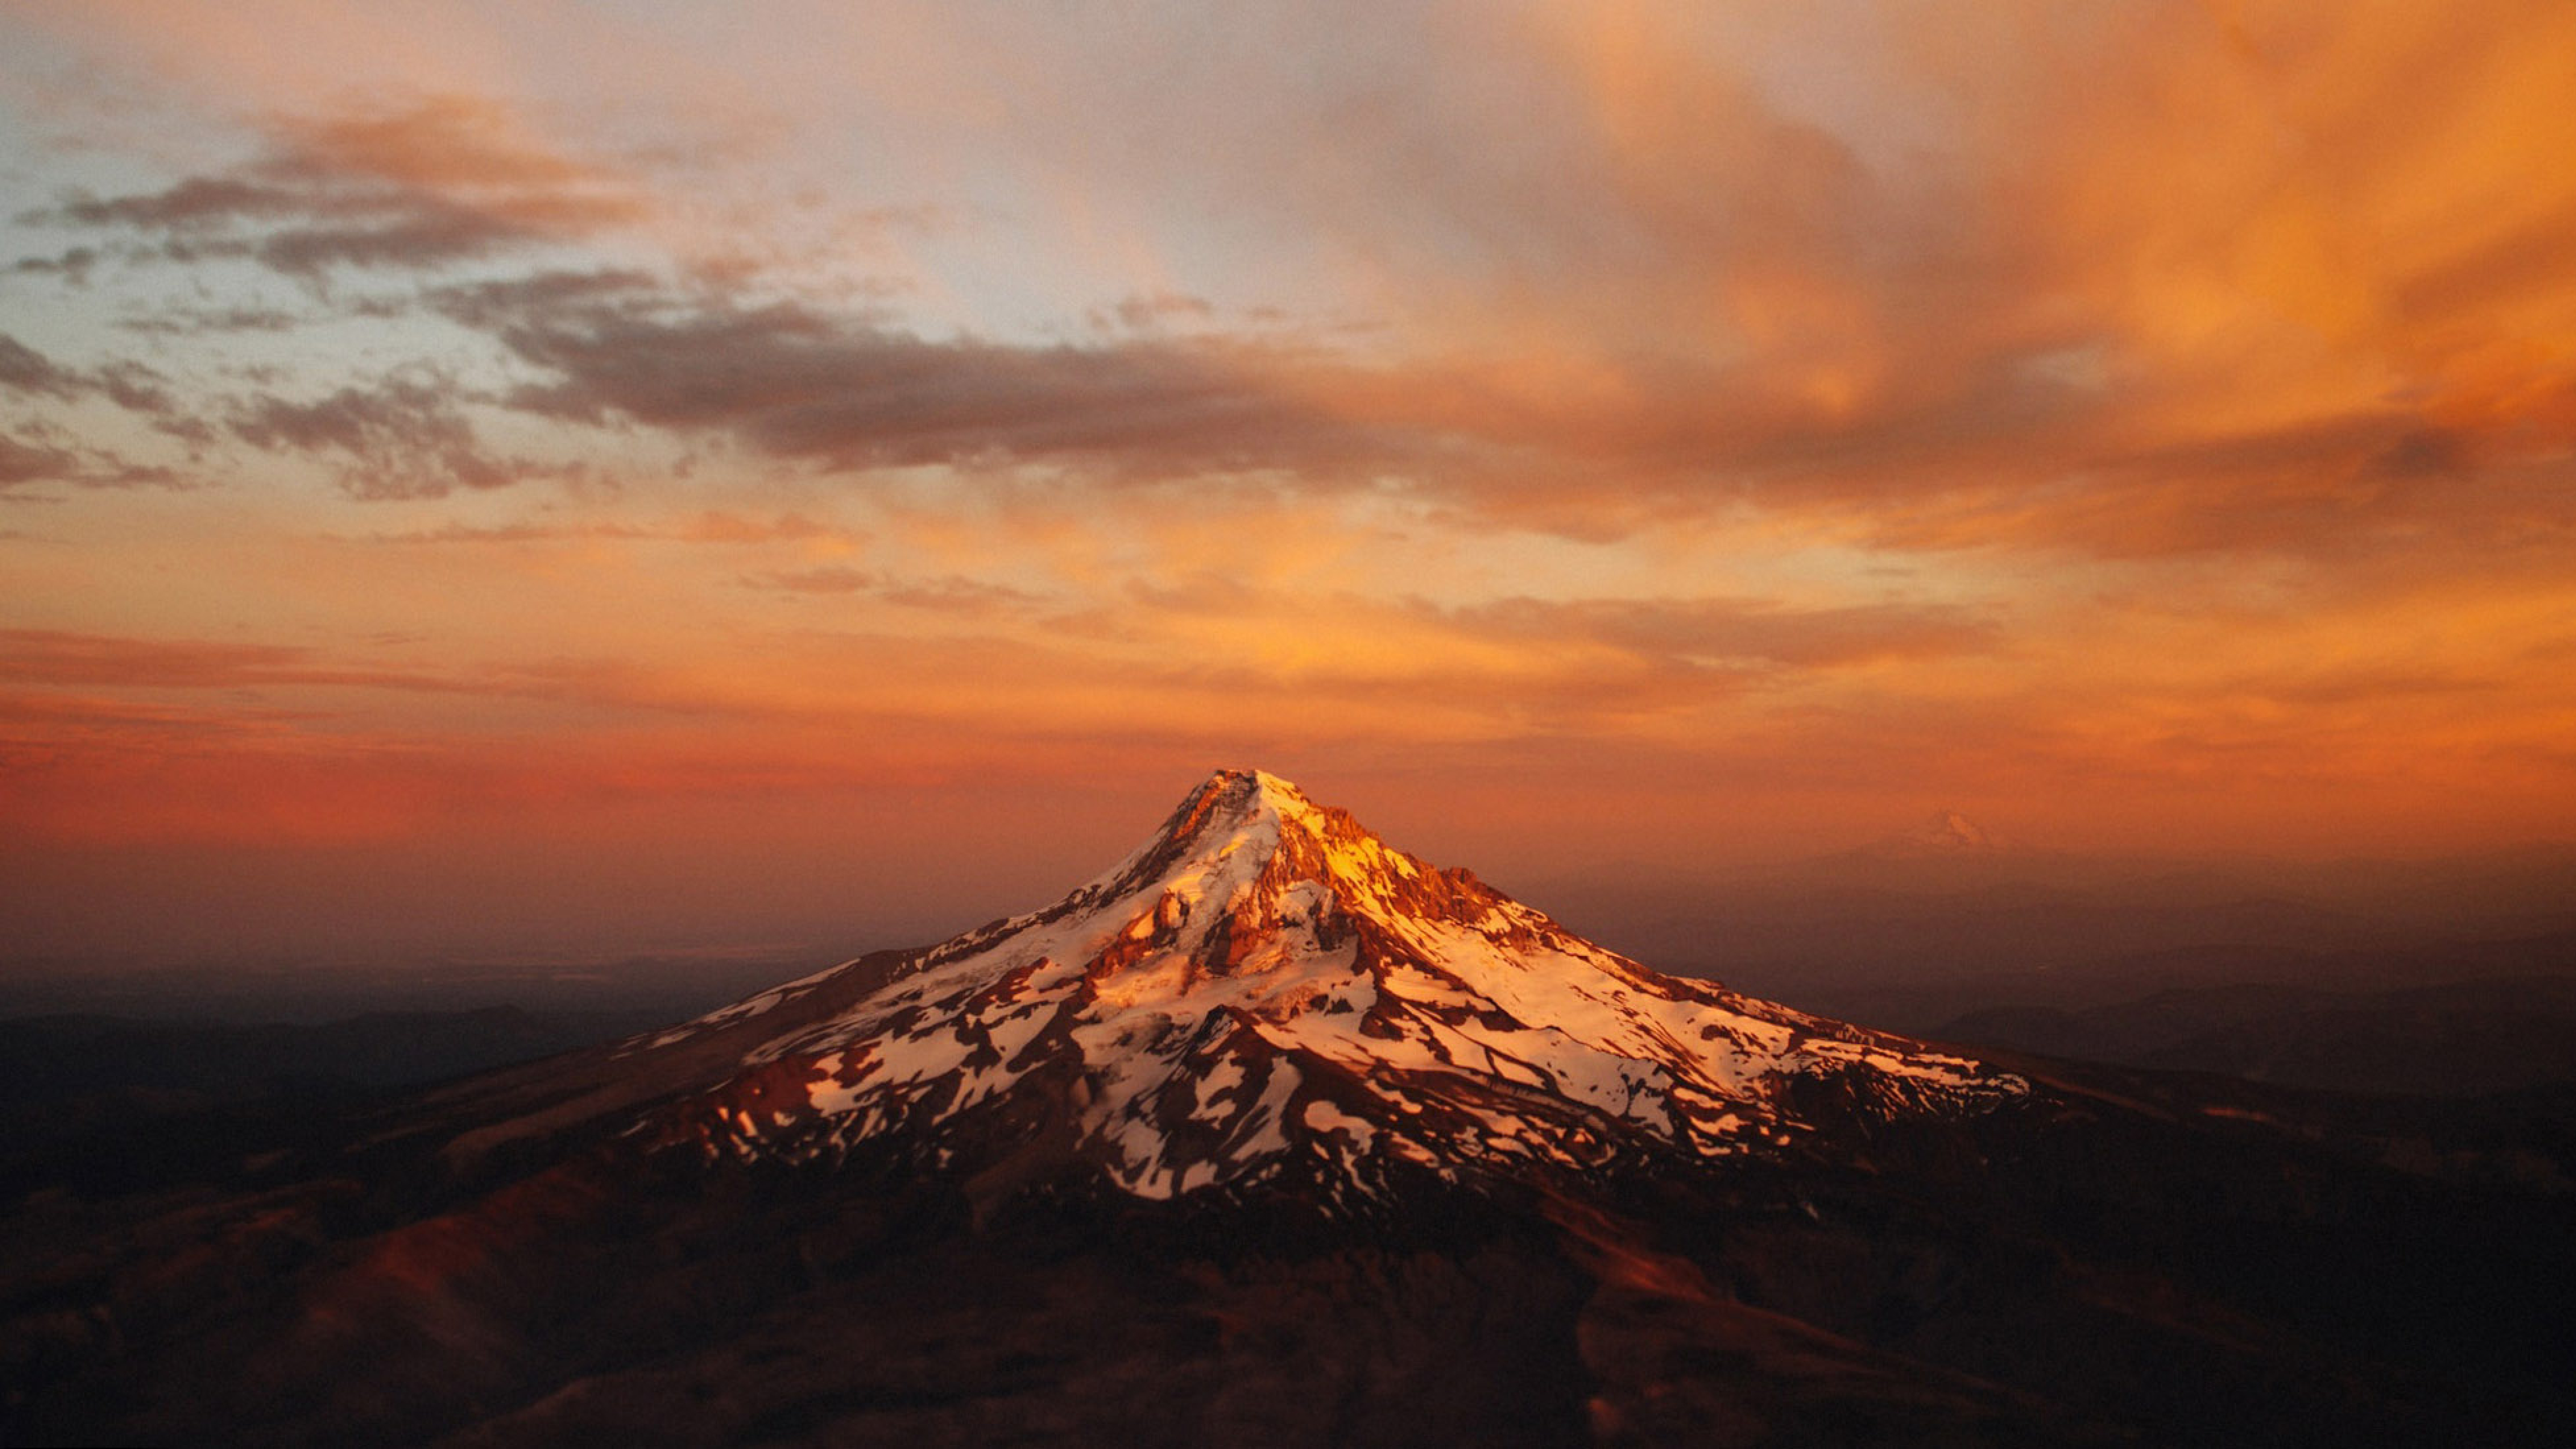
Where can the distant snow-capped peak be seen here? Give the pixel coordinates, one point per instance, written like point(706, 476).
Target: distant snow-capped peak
point(1948, 829)
point(1945, 834)
point(1264, 986)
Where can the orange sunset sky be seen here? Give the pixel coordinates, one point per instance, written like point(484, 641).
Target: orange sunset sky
point(643, 473)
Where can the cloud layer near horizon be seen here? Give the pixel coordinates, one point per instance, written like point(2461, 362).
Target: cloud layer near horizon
point(2140, 423)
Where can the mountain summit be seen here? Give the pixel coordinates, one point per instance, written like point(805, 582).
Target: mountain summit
point(1265, 988)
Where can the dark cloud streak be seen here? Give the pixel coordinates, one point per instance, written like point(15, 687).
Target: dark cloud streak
point(23, 462)
point(850, 393)
point(26, 460)
point(440, 181)
point(130, 385)
point(405, 437)
point(27, 371)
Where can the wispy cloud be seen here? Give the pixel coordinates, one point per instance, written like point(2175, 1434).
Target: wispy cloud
point(56, 657)
point(405, 437)
point(852, 392)
point(416, 187)
point(951, 594)
point(128, 384)
point(1731, 632)
point(29, 461)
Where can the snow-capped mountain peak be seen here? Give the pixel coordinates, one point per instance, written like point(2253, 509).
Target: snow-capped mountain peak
point(1950, 830)
point(1265, 987)
point(1944, 835)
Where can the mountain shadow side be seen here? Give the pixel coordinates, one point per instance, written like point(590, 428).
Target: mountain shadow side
point(1273, 1134)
